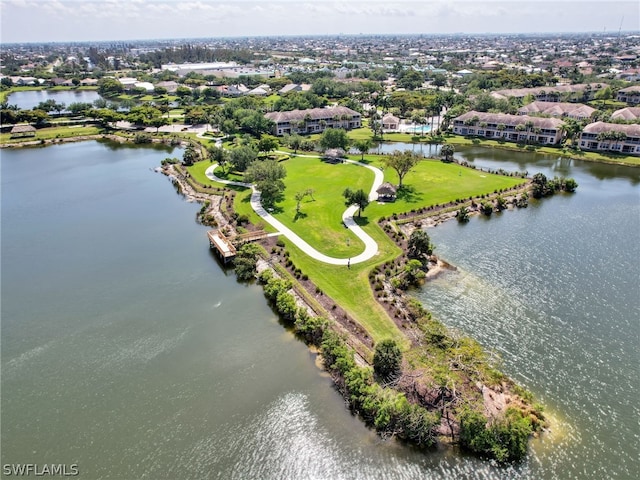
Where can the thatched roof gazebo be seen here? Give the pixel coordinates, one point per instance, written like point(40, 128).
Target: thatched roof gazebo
point(23, 131)
point(387, 192)
point(333, 155)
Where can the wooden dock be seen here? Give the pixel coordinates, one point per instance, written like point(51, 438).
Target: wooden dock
point(227, 246)
point(224, 247)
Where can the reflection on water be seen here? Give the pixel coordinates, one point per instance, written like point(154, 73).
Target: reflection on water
point(554, 288)
point(27, 100)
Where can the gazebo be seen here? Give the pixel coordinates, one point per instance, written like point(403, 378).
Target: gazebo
point(23, 131)
point(333, 155)
point(386, 192)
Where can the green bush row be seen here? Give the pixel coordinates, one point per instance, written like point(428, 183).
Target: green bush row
point(383, 408)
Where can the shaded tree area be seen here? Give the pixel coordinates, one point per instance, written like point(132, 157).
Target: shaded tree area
point(543, 187)
point(298, 101)
point(334, 138)
point(267, 175)
point(402, 163)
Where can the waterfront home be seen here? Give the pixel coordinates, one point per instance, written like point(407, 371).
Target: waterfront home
point(514, 128)
point(577, 111)
point(630, 95)
point(628, 114)
point(611, 137)
point(314, 120)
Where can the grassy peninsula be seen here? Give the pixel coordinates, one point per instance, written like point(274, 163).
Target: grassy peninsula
point(446, 386)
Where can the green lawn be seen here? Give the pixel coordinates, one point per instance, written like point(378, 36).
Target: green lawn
point(350, 288)
point(433, 182)
point(320, 219)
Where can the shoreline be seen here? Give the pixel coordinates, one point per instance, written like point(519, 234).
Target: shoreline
point(505, 147)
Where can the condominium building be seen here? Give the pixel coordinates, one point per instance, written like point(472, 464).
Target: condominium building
point(630, 95)
point(314, 120)
point(576, 111)
point(611, 137)
point(514, 128)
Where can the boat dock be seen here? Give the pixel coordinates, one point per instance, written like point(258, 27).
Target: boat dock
point(226, 246)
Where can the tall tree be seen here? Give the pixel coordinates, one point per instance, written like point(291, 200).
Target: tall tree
point(387, 359)
point(218, 155)
point(401, 162)
point(190, 156)
point(241, 157)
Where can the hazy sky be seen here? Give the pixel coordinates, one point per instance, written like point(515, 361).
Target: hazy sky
point(80, 20)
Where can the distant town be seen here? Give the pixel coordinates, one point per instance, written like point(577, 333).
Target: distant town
point(580, 91)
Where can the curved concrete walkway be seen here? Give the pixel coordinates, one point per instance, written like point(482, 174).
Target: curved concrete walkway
point(371, 247)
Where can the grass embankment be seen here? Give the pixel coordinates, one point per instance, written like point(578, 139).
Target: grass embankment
point(50, 133)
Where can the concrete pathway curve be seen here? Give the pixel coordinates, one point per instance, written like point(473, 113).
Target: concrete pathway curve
point(371, 247)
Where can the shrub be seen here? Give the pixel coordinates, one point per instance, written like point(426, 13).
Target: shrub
point(245, 261)
point(387, 359)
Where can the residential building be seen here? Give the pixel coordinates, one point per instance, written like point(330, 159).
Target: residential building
point(628, 114)
point(295, 87)
point(630, 95)
point(583, 92)
point(390, 122)
point(577, 111)
point(514, 128)
point(611, 137)
point(314, 120)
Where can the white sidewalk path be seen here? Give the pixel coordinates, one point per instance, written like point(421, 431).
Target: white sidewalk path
point(371, 247)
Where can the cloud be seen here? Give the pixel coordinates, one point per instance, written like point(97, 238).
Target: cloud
point(77, 20)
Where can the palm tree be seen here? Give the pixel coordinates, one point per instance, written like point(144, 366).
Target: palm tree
point(363, 146)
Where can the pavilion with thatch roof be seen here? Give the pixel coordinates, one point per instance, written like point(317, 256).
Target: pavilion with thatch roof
point(387, 192)
point(23, 131)
point(333, 155)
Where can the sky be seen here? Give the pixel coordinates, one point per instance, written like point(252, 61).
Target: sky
point(102, 20)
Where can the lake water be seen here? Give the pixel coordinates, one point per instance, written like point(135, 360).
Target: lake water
point(128, 350)
point(28, 99)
